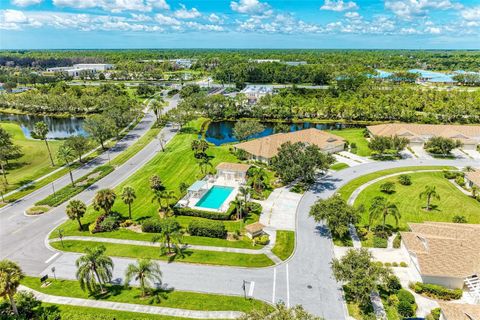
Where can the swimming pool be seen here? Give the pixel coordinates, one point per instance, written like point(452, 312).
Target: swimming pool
point(214, 198)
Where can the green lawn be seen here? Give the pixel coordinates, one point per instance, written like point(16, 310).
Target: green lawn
point(285, 244)
point(355, 135)
point(172, 299)
point(85, 313)
point(452, 201)
point(35, 161)
point(190, 256)
point(347, 190)
point(339, 166)
point(177, 164)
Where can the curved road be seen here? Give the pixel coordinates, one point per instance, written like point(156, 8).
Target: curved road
point(304, 279)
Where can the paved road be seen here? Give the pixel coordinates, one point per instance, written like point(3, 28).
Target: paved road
point(304, 279)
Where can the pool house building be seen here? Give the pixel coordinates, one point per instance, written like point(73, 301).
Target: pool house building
point(215, 192)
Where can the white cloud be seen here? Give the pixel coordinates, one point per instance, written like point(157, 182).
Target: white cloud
point(471, 14)
point(115, 5)
point(25, 3)
point(15, 20)
point(213, 18)
point(353, 15)
point(407, 9)
point(203, 27)
point(433, 30)
point(140, 17)
point(250, 7)
point(166, 20)
point(184, 13)
point(338, 5)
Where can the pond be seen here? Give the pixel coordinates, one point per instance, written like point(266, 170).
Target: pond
point(222, 131)
point(59, 128)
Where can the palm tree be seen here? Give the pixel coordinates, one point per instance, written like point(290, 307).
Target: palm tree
point(40, 131)
point(10, 277)
point(239, 207)
point(258, 176)
point(104, 199)
point(159, 196)
point(169, 235)
point(94, 268)
point(429, 193)
point(199, 146)
point(128, 196)
point(76, 210)
point(204, 164)
point(67, 155)
point(145, 271)
point(468, 169)
point(244, 192)
point(382, 207)
point(156, 184)
point(157, 105)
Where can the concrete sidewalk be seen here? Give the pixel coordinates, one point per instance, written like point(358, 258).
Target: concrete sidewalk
point(130, 307)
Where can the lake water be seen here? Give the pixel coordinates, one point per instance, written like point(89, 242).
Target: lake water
point(222, 132)
point(59, 128)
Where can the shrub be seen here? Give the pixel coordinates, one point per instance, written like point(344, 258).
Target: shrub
point(388, 187)
point(459, 219)
point(460, 181)
point(434, 314)
point(397, 241)
point(388, 264)
point(379, 242)
point(36, 210)
point(437, 292)
point(403, 264)
point(450, 174)
point(211, 229)
point(395, 264)
point(405, 309)
point(392, 284)
point(262, 240)
point(405, 179)
point(254, 207)
point(151, 225)
point(383, 232)
point(127, 223)
point(204, 214)
point(405, 295)
point(109, 223)
point(362, 232)
point(392, 300)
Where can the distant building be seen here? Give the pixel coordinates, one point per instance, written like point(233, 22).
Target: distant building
point(418, 134)
point(264, 60)
point(295, 63)
point(255, 92)
point(76, 69)
point(264, 149)
point(445, 254)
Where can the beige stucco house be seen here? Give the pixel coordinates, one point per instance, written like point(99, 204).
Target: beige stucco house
point(459, 311)
point(418, 134)
point(264, 149)
point(472, 179)
point(447, 254)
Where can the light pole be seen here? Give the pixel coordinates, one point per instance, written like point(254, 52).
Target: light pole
point(53, 187)
point(54, 276)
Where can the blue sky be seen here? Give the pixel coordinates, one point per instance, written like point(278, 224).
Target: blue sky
point(412, 24)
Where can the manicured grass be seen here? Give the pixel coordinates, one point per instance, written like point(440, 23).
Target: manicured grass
point(35, 161)
point(339, 166)
point(452, 201)
point(347, 190)
point(85, 313)
point(190, 256)
point(355, 135)
point(172, 299)
point(285, 244)
point(136, 147)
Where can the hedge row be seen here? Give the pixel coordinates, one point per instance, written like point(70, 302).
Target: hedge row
point(204, 214)
point(81, 184)
point(436, 291)
point(210, 229)
point(151, 225)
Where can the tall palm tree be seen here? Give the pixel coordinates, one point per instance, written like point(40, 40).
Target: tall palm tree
point(94, 269)
point(104, 199)
point(244, 192)
point(239, 207)
point(160, 196)
point(67, 155)
point(199, 147)
point(429, 193)
point(382, 207)
point(128, 196)
point(145, 272)
point(204, 164)
point(169, 236)
point(156, 183)
point(40, 131)
point(76, 210)
point(157, 105)
point(258, 177)
point(10, 277)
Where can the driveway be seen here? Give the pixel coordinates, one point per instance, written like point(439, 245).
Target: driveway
point(279, 209)
point(421, 153)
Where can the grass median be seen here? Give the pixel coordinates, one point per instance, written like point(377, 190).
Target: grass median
point(284, 244)
point(168, 298)
point(189, 255)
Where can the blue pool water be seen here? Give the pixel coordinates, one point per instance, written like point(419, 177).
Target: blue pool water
point(215, 197)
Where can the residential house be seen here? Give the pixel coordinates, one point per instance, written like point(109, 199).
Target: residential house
point(472, 179)
point(264, 149)
point(254, 93)
point(459, 311)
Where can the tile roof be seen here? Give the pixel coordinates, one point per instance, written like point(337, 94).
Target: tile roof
point(464, 133)
point(474, 176)
point(254, 227)
point(267, 147)
point(445, 249)
point(460, 311)
point(237, 167)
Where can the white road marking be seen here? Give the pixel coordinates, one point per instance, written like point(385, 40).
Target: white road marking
point(288, 289)
point(274, 284)
point(52, 257)
point(250, 290)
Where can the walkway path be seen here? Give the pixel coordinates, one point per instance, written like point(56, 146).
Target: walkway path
point(130, 307)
